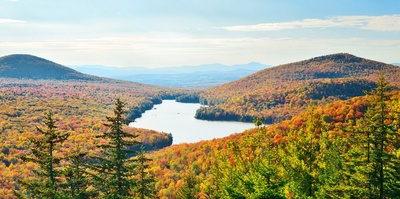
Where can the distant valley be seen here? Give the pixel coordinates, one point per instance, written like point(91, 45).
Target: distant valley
point(320, 98)
point(201, 76)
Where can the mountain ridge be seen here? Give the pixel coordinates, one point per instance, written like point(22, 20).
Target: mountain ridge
point(282, 91)
point(33, 67)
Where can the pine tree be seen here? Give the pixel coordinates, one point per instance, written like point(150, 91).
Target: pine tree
point(115, 171)
point(46, 183)
point(145, 180)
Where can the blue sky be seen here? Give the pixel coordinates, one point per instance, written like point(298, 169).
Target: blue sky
point(159, 33)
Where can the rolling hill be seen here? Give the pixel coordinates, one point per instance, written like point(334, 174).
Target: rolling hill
point(283, 91)
point(32, 67)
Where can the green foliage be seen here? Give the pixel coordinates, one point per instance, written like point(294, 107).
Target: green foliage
point(145, 179)
point(250, 171)
point(78, 182)
point(381, 137)
point(47, 176)
point(190, 188)
point(115, 170)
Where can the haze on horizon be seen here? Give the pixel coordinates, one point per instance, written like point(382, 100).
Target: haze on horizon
point(158, 33)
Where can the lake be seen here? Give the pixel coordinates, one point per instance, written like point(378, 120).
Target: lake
point(178, 118)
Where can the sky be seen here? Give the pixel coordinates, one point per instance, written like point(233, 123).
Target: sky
point(162, 33)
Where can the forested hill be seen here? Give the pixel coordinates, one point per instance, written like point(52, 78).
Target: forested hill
point(32, 67)
point(283, 91)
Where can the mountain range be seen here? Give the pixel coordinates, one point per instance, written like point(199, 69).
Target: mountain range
point(200, 76)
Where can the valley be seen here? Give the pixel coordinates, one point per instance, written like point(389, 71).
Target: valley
point(178, 119)
point(318, 115)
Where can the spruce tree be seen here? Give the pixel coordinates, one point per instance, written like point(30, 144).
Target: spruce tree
point(145, 180)
point(249, 170)
point(311, 158)
point(300, 156)
point(382, 136)
point(115, 171)
point(46, 183)
point(77, 183)
point(190, 188)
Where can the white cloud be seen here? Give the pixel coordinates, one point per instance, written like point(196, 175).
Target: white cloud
point(377, 23)
point(175, 50)
point(11, 21)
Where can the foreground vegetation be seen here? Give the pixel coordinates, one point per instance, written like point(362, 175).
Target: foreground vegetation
point(347, 149)
point(111, 174)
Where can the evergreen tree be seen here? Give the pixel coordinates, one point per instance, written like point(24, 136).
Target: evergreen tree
point(301, 156)
point(249, 171)
point(382, 135)
point(354, 171)
point(115, 171)
point(145, 180)
point(77, 184)
point(190, 188)
point(47, 176)
point(312, 160)
point(372, 168)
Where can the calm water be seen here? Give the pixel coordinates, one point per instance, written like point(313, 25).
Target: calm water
point(178, 119)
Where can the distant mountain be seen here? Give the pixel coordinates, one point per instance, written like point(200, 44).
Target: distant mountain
point(201, 76)
point(283, 91)
point(396, 64)
point(32, 67)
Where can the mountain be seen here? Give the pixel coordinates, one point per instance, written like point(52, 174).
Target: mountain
point(200, 76)
point(280, 92)
point(396, 64)
point(32, 67)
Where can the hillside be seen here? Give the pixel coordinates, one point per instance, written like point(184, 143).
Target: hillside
point(230, 165)
point(80, 108)
point(283, 91)
point(32, 67)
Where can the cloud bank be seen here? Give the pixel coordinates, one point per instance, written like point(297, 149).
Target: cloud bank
point(11, 21)
point(376, 23)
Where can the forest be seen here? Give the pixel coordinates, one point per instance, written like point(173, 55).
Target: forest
point(281, 92)
point(346, 149)
point(79, 108)
point(332, 135)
